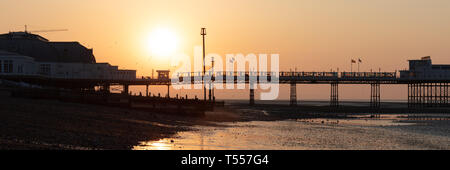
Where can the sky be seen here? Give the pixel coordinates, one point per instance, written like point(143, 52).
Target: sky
point(310, 35)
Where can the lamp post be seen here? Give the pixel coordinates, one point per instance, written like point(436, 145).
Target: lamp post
point(213, 75)
point(203, 33)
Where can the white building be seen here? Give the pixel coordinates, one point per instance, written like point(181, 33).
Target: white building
point(19, 65)
point(423, 69)
point(15, 64)
point(98, 71)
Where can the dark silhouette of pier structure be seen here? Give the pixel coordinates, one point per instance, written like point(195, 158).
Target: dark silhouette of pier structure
point(427, 83)
point(421, 93)
point(428, 93)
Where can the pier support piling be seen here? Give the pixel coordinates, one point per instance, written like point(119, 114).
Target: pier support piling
point(424, 94)
point(293, 97)
point(375, 95)
point(428, 94)
point(440, 94)
point(168, 91)
point(445, 93)
point(252, 93)
point(210, 93)
point(126, 89)
point(419, 95)
point(106, 88)
point(409, 95)
point(416, 94)
point(334, 97)
point(252, 97)
point(146, 90)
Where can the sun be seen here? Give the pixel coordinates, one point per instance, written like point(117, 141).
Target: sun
point(162, 42)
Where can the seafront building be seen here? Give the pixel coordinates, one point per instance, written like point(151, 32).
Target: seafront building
point(26, 54)
point(423, 69)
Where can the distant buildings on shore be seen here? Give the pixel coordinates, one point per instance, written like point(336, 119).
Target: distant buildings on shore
point(423, 69)
point(23, 53)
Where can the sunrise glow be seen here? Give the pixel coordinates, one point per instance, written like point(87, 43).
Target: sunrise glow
point(162, 42)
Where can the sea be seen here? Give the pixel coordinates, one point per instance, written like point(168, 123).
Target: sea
point(419, 131)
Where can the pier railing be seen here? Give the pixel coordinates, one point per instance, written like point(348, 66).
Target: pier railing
point(281, 77)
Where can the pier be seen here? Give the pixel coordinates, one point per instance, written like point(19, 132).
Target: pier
point(421, 93)
point(427, 83)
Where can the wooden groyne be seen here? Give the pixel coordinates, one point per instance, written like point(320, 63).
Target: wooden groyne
point(153, 104)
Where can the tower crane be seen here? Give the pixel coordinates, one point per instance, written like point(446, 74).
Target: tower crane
point(50, 30)
point(53, 30)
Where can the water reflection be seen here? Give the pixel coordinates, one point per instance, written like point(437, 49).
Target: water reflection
point(158, 145)
point(239, 136)
point(365, 120)
point(360, 132)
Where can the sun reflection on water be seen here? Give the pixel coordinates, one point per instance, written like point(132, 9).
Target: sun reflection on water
point(158, 145)
point(359, 132)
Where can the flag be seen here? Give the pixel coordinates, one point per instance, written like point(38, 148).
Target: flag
point(232, 60)
point(353, 61)
point(359, 60)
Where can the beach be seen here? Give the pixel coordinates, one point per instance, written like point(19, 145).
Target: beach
point(51, 124)
point(309, 135)
point(263, 128)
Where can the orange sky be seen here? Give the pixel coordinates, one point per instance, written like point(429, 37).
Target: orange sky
point(311, 35)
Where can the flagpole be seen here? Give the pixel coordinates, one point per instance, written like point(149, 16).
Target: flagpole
point(351, 65)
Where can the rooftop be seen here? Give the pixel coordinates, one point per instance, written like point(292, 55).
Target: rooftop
point(43, 50)
point(22, 35)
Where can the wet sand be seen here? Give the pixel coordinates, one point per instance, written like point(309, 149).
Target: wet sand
point(269, 128)
point(308, 135)
point(50, 124)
